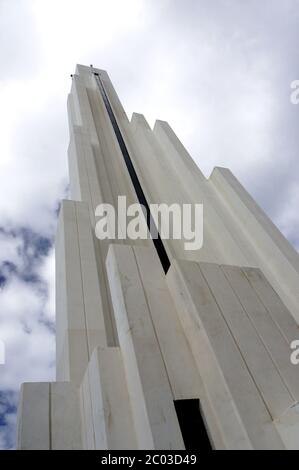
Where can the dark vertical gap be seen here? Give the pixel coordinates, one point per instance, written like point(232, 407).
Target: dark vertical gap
point(192, 425)
point(50, 416)
point(134, 178)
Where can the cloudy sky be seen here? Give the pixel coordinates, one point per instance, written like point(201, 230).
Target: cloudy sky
point(219, 71)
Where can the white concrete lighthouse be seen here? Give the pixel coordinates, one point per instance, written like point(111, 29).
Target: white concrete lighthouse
point(159, 347)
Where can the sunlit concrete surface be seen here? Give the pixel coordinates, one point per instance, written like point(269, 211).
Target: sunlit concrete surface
point(132, 339)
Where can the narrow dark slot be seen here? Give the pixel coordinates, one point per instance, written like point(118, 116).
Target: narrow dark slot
point(192, 425)
point(133, 175)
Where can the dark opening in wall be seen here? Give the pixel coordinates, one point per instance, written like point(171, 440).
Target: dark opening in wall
point(192, 425)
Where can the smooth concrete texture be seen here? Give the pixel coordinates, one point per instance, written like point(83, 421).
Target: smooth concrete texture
point(132, 339)
point(288, 427)
point(270, 251)
point(49, 417)
point(229, 372)
point(149, 388)
point(80, 316)
point(105, 391)
point(33, 431)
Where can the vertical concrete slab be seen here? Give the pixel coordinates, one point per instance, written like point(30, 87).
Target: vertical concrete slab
point(169, 140)
point(255, 353)
point(114, 163)
point(181, 369)
point(33, 426)
point(70, 310)
point(152, 170)
point(182, 372)
point(82, 107)
point(93, 308)
point(217, 247)
point(288, 428)
point(71, 113)
point(230, 387)
point(110, 402)
point(92, 187)
point(272, 302)
point(63, 360)
point(219, 334)
point(62, 346)
point(234, 193)
point(267, 329)
point(65, 417)
point(154, 414)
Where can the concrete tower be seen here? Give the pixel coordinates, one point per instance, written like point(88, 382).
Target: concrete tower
point(159, 347)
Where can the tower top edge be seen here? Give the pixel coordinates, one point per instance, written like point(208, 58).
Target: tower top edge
point(84, 69)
